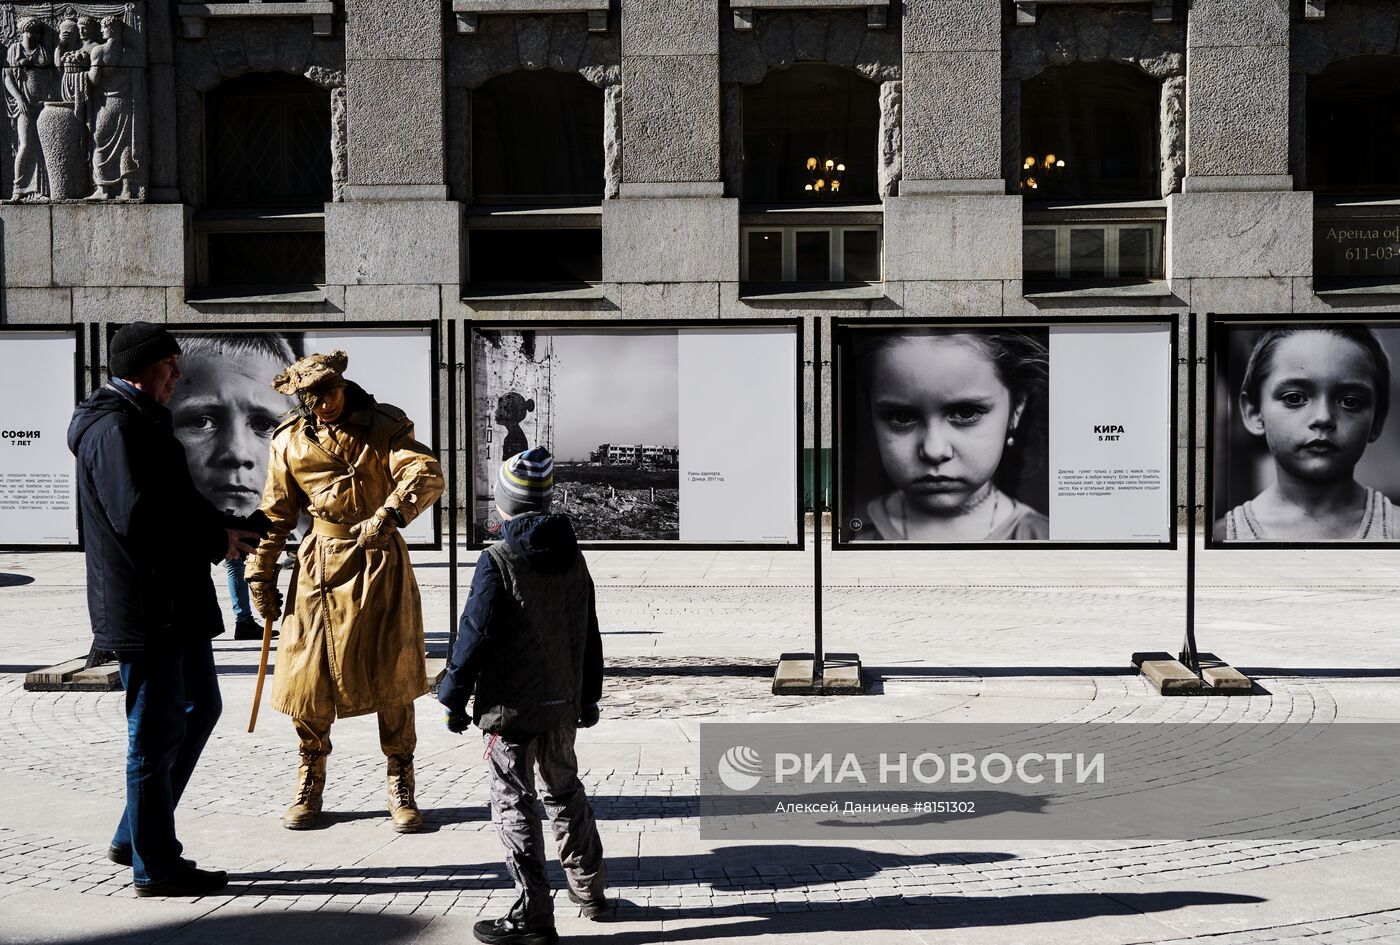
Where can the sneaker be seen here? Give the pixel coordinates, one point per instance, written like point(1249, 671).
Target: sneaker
point(188, 882)
point(248, 629)
point(508, 931)
point(593, 909)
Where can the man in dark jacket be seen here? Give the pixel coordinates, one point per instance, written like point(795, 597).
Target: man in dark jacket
point(528, 644)
point(150, 538)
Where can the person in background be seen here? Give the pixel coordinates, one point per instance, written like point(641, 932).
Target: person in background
point(149, 537)
point(528, 646)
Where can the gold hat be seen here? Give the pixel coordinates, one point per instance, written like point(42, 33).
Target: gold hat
point(313, 371)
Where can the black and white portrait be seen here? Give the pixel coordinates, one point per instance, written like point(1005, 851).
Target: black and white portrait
point(1304, 444)
point(225, 410)
point(943, 434)
point(605, 404)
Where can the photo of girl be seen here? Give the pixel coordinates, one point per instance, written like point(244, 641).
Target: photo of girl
point(1303, 420)
point(944, 436)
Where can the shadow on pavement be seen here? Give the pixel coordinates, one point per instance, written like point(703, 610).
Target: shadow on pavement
point(233, 926)
point(923, 913)
point(8, 579)
point(724, 869)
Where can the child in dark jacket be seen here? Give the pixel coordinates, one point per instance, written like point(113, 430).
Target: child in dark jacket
point(528, 645)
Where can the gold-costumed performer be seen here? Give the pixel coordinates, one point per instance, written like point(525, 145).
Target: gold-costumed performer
point(352, 637)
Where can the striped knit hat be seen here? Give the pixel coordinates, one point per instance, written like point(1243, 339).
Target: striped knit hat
point(526, 482)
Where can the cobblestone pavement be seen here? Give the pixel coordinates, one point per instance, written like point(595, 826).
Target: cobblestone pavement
point(691, 638)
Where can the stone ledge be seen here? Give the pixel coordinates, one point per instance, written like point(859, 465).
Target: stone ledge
point(469, 11)
point(193, 15)
point(1162, 10)
point(1361, 288)
point(1236, 183)
point(1152, 289)
point(249, 295)
point(776, 292)
point(531, 293)
point(921, 188)
point(396, 192)
point(876, 13)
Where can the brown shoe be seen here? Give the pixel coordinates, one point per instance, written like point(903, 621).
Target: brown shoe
point(311, 781)
point(400, 790)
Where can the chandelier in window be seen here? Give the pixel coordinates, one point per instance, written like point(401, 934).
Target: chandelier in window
point(1037, 170)
point(824, 176)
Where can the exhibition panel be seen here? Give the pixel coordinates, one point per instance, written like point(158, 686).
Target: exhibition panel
point(1301, 450)
point(664, 433)
point(1000, 433)
point(40, 379)
point(225, 408)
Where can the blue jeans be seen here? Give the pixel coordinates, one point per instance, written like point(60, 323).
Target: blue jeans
point(172, 703)
point(238, 590)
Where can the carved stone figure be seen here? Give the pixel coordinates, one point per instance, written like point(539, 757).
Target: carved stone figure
point(75, 93)
point(112, 116)
point(71, 58)
point(26, 72)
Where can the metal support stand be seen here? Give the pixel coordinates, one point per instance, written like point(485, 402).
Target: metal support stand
point(451, 487)
point(818, 506)
point(807, 673)
point(1189, 656)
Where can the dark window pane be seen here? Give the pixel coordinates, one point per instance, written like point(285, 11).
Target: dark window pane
point(810, 111)
point(537, 137)
point(861, 255)
point(1353, 136)
point(1137, 258)
point(268, 141)
point(525, 256)
point(1101, 120)
point(265, 259)
point(813, 257)
point(1038, 253)
point(765, 257)
point(1086, 254)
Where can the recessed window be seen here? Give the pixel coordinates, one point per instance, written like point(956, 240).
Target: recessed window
point(810, 137)
point(1353, 127)
point(1353, 136)
point(267, 180)
point(537, 182)
point(537, 138)
point(572, 256)
point(1093, 252)
point(810, 254)
point(1089, 131)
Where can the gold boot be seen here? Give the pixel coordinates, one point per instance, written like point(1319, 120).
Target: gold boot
point(401, 804)
point(311, 780)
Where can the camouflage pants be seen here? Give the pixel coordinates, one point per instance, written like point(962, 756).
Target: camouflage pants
point(515, 811)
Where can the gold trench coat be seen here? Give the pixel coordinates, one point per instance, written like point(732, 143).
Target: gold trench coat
point(352, 641)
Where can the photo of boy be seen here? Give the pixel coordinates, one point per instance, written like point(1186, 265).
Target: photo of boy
point(944, 436)
point(1303, 410)
point(225, 412)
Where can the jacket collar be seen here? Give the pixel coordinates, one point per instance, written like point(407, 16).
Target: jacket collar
point(144, 405)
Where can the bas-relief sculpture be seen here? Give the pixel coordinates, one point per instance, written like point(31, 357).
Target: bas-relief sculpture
point(74, 81)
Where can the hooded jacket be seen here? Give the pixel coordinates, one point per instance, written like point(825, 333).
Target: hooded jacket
point(149, 535)
point(528, 640)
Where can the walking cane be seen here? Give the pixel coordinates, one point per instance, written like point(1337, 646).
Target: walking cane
point(268, 621)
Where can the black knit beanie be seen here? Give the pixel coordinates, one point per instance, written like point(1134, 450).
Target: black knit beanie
point(137, 346)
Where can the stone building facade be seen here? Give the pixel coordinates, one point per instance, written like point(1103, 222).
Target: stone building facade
point(115, 210)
